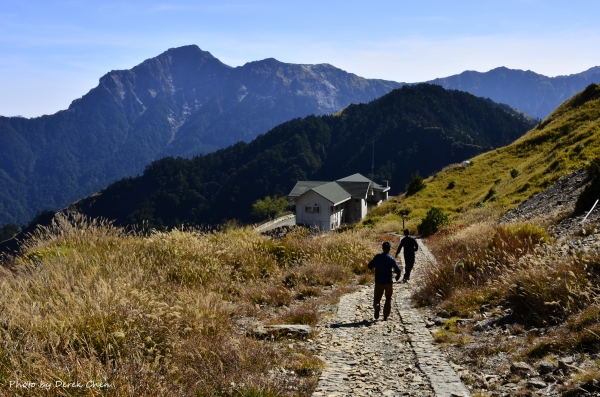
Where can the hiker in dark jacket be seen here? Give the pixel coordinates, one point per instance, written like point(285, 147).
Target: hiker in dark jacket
point(410, 247)
point(384, 264)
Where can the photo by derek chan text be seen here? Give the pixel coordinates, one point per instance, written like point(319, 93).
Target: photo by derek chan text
point(57, 384)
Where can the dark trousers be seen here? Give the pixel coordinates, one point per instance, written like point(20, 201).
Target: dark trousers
point(379, 290)
point(409, 262)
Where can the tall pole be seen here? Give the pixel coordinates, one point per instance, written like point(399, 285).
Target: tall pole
point(373, 161)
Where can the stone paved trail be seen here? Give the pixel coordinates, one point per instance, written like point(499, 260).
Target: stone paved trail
point(397, 357)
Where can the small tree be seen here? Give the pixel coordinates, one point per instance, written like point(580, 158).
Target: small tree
point(591, 192)
point(269, 207)
point(415, 185)
point(434, 219)
point(8, 231)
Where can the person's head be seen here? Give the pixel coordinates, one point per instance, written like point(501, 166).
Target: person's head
point(386, 246)
point(406, 232)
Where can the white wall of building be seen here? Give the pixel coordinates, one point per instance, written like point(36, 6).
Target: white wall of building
point(328, 218)
point(336, 216)
point(306, 211)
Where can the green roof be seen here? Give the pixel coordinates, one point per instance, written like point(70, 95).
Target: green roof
point(302, 187)
point(353, 186)
point(332, 192)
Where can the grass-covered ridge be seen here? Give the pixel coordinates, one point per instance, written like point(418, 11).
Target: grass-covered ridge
point(159, 314)
point(505, 177)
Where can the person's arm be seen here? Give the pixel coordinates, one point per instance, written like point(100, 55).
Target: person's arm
point(399, 248)
point(371, 264)
point(416, 246)
point(397, 270)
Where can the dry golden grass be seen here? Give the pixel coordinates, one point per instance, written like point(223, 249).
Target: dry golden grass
point(156, 315)
point(489, 263)
point(516, 267)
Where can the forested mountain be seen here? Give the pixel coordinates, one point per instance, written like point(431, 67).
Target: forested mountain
point(182, 103)
point(422, 127)
point(535, 94)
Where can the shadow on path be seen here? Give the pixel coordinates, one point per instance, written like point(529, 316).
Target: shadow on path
point(363, 323)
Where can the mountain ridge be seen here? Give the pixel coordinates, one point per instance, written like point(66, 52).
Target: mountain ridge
point(420, 127)
point(181, 103)
point(534, 94)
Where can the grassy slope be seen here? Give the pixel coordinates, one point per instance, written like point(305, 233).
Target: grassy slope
point(158, 315)
point(542, 156)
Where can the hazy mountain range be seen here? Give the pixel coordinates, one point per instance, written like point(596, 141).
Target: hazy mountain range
point(185, 102)
point(531, 93)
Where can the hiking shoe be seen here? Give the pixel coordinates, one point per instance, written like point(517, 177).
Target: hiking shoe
point(385, 319)
point(377, 312)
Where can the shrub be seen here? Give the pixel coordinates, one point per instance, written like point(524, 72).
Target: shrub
point(489, 194)
point(545, 293)
point(451, 185)
point(416, 184)
point(433, 220)
point(308, 292)
point(8, 231)
point(269, 207)
point(510, 241)
point(371, 222)
point(306, 314)
point(514, 173)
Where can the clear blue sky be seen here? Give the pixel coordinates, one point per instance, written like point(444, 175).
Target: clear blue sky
point(52, 52)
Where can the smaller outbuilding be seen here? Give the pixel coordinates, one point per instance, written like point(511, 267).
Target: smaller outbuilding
point(328, 205)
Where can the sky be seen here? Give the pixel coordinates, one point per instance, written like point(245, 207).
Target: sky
point(53, 52)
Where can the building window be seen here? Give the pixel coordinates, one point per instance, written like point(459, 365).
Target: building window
point(312, 209)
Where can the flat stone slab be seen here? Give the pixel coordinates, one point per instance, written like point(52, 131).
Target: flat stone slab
point(282, 329)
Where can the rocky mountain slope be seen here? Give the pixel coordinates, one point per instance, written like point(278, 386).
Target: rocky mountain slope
point(181, 103)
point(535, 94)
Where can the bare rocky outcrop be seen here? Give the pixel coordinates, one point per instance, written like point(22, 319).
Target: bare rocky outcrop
point(555, 207)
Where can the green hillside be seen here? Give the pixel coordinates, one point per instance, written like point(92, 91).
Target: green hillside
point(564, 141)
point(418, 128)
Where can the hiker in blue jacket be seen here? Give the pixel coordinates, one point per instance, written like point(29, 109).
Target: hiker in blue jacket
point(410, 247)
point(384, 264)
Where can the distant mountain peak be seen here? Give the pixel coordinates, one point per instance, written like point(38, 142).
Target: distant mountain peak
point(182, 102)
point(591, 71)
point(532, 93)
